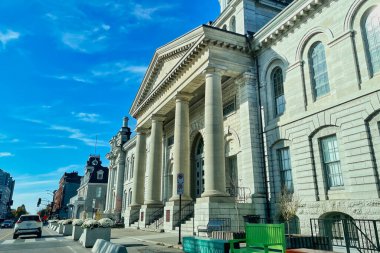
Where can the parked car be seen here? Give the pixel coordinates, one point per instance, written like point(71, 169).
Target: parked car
point(28, 225)
point(7, 224)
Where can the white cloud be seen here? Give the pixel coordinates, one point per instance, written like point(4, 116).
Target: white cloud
point(75, 78)
point(58, 147)
point(144, 13)
point(5, 154)
point(76, 134)
point(9, 35)
point(89, 117)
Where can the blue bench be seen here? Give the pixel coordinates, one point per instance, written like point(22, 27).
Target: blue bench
point(215, 224)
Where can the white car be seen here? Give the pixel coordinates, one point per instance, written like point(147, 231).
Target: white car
point(28, 225)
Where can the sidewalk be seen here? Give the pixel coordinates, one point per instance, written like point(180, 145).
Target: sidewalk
point(122, 235)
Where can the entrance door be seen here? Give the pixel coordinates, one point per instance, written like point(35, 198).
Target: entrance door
point(199, 168)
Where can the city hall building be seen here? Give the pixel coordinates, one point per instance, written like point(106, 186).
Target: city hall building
point(273, 94)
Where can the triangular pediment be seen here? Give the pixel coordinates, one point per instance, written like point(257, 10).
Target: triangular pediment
point(164, 60)
point(171, 59)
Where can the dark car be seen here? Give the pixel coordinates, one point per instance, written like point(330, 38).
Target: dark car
point(7, 224)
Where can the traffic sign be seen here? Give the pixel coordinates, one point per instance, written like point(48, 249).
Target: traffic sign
point(180, 183)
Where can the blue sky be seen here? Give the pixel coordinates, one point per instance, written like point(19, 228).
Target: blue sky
point(70, 70)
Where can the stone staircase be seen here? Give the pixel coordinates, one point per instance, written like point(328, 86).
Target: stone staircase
point(187, 227)
point(135, 225)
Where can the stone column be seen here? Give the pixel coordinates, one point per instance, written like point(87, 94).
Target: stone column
point(139, 169)
point(153, 186)
point(110, 189)
point(108, 194)
point(119, 183)
point(215, 179)
point(181, 154)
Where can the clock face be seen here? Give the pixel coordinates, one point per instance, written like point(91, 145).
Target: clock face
point(95, 162)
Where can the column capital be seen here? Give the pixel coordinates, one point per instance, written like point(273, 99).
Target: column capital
point(183, 96)
point(246, 78)
point(158, 117)
point(141, 130)
point(214, 70)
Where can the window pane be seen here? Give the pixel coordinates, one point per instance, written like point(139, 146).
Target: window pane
point(285, 168)
point(318, 70)
point(372, 27)
point(278, 87)
point(331, 161)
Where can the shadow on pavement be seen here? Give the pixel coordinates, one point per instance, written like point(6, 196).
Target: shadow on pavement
point(133, 245)
point(51, 236)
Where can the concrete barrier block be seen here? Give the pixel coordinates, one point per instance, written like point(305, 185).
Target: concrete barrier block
point(103, 246)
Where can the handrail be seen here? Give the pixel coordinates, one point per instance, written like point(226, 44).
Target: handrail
point(134, 216)
point(158, 213)
point(368, 240)
point(241, 194)
point(187, 211)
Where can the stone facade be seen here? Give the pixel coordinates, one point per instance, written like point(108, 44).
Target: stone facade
point(256, 102)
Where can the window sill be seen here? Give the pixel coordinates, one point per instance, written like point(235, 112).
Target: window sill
point(336, 188)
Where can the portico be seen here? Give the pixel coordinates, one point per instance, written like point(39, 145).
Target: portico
point(190, 94)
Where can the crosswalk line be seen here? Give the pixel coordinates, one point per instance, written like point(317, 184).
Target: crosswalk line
point(51, 239)
point(8, 241)
point(30, 240)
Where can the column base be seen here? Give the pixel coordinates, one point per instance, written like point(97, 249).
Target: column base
point(183, 198)
point(146, 212)
point(171, 213)
point(214, 193)
point(224, 208)
point(153, 203)
point(132, 215)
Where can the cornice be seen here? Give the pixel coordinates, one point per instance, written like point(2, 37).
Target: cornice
point(286, 20)
point(129, 144)
point(205, 41)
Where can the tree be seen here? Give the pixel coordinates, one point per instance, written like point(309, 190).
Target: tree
point(20, 211)
point(288, 205)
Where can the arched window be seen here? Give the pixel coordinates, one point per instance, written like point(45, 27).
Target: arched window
point(233, 24)
point(372, 30)
point(278, 86)
point(318, 70)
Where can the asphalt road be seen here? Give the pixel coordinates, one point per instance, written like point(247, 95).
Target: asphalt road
point(52, 242)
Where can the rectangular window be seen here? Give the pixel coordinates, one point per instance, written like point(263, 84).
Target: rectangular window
point(229, 107)
point(170, 140)
point(98, 192)
point(331, 161)
point(283, 156)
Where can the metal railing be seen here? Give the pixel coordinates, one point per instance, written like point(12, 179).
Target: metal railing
point(241, 194)
point(362, 235)
point(134, 216)
point(156, 215)
point(187, 212)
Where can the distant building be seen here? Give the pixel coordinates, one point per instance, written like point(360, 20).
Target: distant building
point(68, 186)
point(117, 190)
point(91, 197)
point(7, 185)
